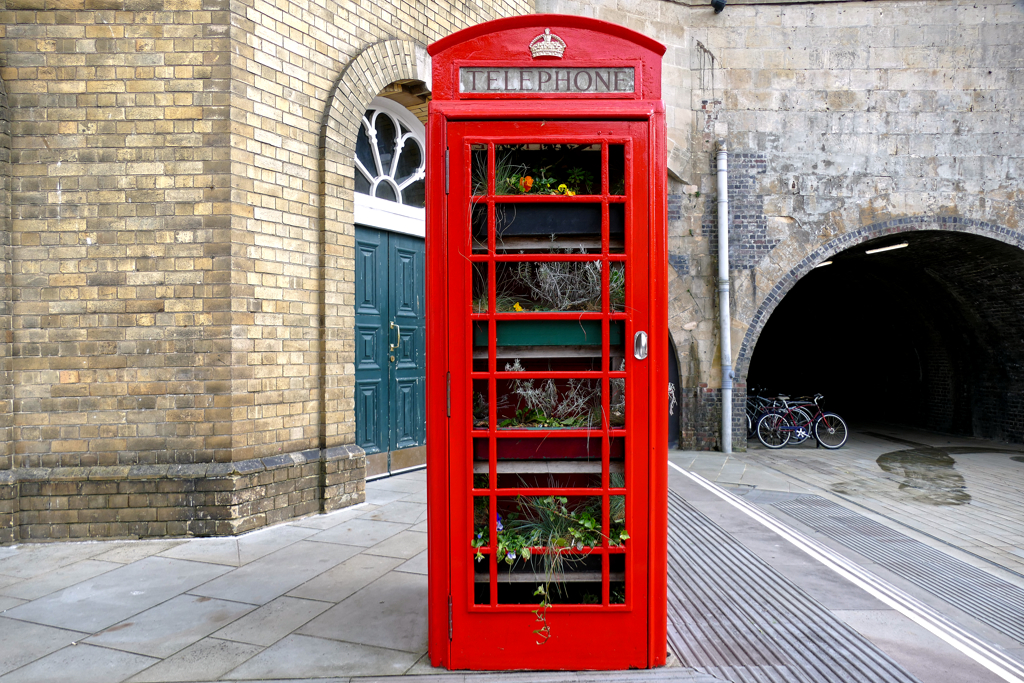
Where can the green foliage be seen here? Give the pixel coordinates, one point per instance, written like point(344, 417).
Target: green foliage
point(554, 530)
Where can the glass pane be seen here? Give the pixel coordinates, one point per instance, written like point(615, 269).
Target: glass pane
point(524, 474)
point(478, 221)
point(363, 151)
point(479, 542)
point(617, 169)
point(481, 349)
point(479, 165)
point(617, 403)
point(481, 300)
point(547, 169)
point(552, 221)
point(617, 287)
point(386, 191)
point(548, 403)
point(362, 184)
point(386, 141)
point(414, 194)
point(617, 579)
point(481, 463)
point(409, 160)
point(548, 286)
point(481, 404)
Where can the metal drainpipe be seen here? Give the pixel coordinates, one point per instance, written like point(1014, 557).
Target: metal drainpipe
point(723, 294)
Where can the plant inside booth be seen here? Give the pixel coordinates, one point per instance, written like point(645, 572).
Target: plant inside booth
point(559, 531)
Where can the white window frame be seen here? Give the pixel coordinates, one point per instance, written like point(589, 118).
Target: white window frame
point(384, 214)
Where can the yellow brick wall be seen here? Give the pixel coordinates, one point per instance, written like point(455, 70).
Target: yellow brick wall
point(181, 292)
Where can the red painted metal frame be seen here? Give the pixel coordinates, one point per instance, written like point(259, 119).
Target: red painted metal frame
point(603, 636)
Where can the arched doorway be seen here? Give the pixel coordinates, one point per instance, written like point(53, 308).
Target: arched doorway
point(920, 328)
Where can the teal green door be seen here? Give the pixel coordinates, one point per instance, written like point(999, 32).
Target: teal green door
point(389, 339)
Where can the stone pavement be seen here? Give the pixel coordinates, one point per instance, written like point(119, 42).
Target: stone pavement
point(344, 594)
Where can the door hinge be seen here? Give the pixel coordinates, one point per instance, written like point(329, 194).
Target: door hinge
point(448, 394)
point(449, 617)
point(446, 171)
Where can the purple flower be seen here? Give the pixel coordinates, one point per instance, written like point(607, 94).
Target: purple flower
point(500, 527)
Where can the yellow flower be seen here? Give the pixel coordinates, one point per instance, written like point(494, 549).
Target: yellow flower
point(565, 190)
point(517, 308)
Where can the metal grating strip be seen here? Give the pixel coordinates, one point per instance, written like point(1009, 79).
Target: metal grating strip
point(735, 617)
point(985, 597)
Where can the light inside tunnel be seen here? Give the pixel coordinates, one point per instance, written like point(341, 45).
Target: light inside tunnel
point(931, 336)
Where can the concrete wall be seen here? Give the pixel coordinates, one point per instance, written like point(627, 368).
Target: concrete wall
point(181, 262)
point(844, 121)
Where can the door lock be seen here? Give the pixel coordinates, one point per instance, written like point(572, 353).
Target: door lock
point(640, 345)
point(392, 348)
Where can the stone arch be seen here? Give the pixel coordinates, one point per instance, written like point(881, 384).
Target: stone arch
point(851, 239)
point(369, 73)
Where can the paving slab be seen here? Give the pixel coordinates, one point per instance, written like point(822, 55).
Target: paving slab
point(333, 519)
point(402, 511)
point(299, 656)
point(272, 622)
point(81, 664)
point(405, 483)
point(222, 551)
point(359, 532)
point(269, 577)
point(68, 575)
point(7, 603)
point(171, 626)
point(26, 561)
point(382, 496)
point(404, 544)
point(348, 577)
point(207, 660)
point(126, 553)
point(391, 612)
point(23, 642)
point(417, 565)
point(112, 597)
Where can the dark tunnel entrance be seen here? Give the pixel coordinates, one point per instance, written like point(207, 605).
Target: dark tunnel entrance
point(929, 335)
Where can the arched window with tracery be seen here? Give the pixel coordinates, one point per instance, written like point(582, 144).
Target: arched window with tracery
point(390, 168)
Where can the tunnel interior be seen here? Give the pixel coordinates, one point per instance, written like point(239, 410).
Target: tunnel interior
point(928, 335)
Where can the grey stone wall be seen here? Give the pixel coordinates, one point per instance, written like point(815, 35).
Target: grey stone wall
point(839, 118)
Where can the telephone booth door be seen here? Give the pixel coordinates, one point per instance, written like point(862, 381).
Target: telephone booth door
point(546, 465)
point(548, 441)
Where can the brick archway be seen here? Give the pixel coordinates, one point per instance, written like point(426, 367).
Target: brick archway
point(851, 239)
point(367, 74)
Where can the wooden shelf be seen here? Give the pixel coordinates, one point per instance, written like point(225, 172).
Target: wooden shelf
point(549, 467)
point(525, 352)
point(544, 244)
point(538, 577)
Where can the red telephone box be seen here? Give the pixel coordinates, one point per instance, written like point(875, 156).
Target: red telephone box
point(547, 347)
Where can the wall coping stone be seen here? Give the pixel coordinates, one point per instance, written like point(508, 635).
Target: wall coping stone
point(217, 470)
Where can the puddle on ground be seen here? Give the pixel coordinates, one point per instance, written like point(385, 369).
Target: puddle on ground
point(1018, 458)
point(927, 475)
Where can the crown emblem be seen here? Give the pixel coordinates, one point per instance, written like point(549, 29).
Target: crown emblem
point(547, 45)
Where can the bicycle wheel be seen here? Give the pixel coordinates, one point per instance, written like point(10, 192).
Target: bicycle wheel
point(830, 430)
point(750, 425)
point(770, 432)
point(802, 420)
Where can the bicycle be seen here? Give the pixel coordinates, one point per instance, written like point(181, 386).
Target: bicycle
point(776, 429)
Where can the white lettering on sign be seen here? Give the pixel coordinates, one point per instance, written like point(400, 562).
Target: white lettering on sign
point(546, 80)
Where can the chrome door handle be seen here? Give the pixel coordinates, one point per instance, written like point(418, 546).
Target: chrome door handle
point(640, 345)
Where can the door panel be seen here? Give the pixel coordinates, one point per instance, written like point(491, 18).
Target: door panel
point(371, 340)
point(548, 284)
point(408, 371)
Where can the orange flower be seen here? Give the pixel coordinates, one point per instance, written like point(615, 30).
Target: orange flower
point(525, 183)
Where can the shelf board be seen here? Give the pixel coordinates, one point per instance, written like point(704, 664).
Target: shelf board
point(544, 244)
point(549, 467)
point(524, 352)
point(539, 577)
